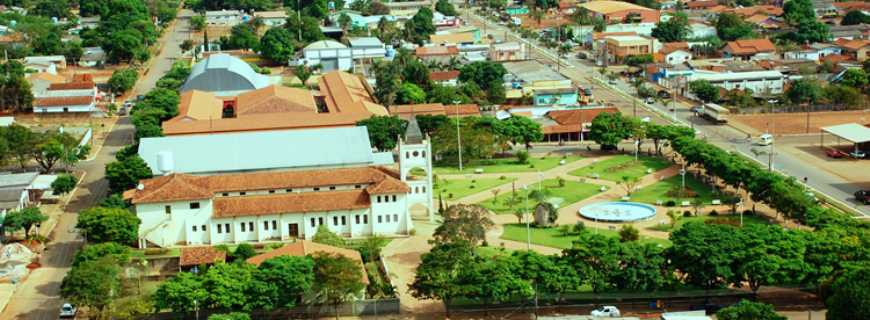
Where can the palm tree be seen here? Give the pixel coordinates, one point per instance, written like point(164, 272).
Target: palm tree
point(563, 50)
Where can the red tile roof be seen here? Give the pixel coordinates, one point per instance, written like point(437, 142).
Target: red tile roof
point(436, 51)
point(569, 120)
point(194, 256)
point(63, 101)
point(406, 110)
point(748, 47)
point(443, 75)
point(224, 207)
point(303, 248)
point(178, 187)
point(674, 46)
point(853, 45)
point(72, 86)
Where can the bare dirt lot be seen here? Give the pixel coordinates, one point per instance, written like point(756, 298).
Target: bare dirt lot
point(796, 123)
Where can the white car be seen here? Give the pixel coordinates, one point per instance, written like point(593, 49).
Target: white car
point(68, 311)
point(606, 312)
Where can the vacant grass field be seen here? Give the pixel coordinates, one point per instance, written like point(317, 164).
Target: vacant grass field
point(552, 237)
point(570, 193)
point(728, 219)
point(659, 191)
point(613, 169)
point(452, 189)
point(507, 165)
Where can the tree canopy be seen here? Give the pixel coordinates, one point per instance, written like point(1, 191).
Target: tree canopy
point(384, 131)
point(746, 310)
point(674, 30)
point(730, 27)
point(704, 90)
point(609, 129)
point(109, 224)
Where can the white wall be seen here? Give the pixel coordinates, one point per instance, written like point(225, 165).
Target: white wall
point(678, 57)
point(176, 227)
point(72, 108)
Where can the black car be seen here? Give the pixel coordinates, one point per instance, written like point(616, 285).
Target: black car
point(664, 94)
point(863, 196)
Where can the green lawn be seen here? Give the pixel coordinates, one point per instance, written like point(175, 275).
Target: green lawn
point(507, 165)
point(659, 191)
point(615, 168)
point(551, 237)
point(457, 188)
point(572, 192)
point(489, 252)
point(722, 218)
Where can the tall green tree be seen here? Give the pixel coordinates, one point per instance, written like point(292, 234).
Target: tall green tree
point(849, 294)
point(125, 174)
point(854, 17)
point(702, 256)
point(804, 91)
point(23, 219)
point(92, 284)
point(748, 310)
point(123, 80)
point(520, 130)
point(463, 223)
point(387, 82)
point(305, 29)
point(337, 279)
point(410, 93)
point(384, 131)
point(420, 26)
point(227, 283)
point(855, 77)
point(242, 36)
point(109, 224)
point(438, 272)
point(118, 252)
point(281, 282)
point(730, 27)
point(277, 44)
point(609, 129)
point(181, 293)
point(674, 30)
point(704, 90)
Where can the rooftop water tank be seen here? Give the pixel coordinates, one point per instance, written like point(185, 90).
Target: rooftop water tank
point(165, 162)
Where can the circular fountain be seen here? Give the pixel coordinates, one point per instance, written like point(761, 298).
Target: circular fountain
point(618, 211)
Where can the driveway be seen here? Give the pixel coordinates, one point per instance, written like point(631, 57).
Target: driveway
point(38, 297)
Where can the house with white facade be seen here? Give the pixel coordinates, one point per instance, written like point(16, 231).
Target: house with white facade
point(813, 52)
point(329, 54)
point(183, 209)
point(272, 18)
point(762, 83)
point(223, 17)
point(79, 95)
point(674, 53)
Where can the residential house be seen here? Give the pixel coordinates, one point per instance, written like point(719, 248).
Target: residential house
point(619, 11)
point(439, 54)
point(357, 20)
point(272, 18)
point(17, 192)
point(182, 209)
point(762, 83)
point(329, 55)
point(844, 7)
point(226, 75)
point(824, 8)
point(89, 22)
point(507, 51)
point(674, 53)
point(701, 30)
point(765, 22)
point(44, 63)
point(223, 17)
point(409, 5)
point(365, 48)
point(813, 52)
point(40, 81)
point(441, 21)
point(445, 78)
point(92, 57)
point(517, 10)
point(78, 95)
point(749, 49)
point(700, 4)
point(193, 257)
point(620, 47)
point(406, 111)
point(850, 32)
point(343, 100)
point(855, 49)
point(565, 125)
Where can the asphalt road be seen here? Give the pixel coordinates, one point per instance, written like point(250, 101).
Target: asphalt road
point(726, 137)
point(38, 297)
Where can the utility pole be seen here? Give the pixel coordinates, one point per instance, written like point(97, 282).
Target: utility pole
point(458, 136)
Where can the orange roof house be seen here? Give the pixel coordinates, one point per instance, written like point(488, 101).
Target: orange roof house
point(855, 49)
point(700, 4)
point(746, 49)
point(343, 100)
point(407, 110)
point(304, 248)
point(569, 121)
point(620, 11)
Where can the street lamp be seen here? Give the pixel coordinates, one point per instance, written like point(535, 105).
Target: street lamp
point(528, 226)
point(683, 175)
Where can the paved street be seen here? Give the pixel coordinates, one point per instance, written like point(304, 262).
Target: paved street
point(38, 297)
point(725, 137)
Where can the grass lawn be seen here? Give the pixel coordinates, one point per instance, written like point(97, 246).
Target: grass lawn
point(489, 252)
point(551, 237)
point(659, 191)
point(729, 219)
point(613, 169)
point(572, 192)
point(458, 188)
point(507, 165)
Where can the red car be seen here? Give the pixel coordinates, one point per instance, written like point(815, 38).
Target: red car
point(834, 153)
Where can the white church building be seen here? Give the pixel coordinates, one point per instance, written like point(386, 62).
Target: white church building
point(179, 209)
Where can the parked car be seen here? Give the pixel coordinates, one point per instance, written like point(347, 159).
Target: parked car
point(765, 140)
point(611, 81)
point(68, 311)
point(862, 196)
point(606, 311)
point(650, 100)
point(857, 154)
point(664, 94)
point(835, 153)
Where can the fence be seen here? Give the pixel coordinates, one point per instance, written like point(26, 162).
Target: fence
point(353, 308)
